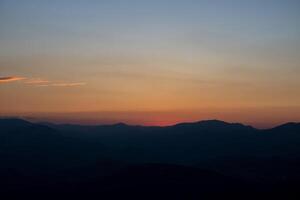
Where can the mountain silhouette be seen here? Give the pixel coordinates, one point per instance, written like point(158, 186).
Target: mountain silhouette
point(188, 159)
point(291, 127)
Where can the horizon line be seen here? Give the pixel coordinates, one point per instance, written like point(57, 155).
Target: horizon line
point(35, 121)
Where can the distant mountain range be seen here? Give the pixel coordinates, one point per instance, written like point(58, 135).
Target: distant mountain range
point(99, 158)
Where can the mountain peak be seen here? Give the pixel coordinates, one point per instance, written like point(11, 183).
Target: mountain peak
point(215, 125)
point(213, 122)
point(290, 126)
point(120, 124)
point(13, 122)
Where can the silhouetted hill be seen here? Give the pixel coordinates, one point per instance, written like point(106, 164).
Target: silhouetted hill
point(30, 149)
point(13, 122)
point(187, 143)
point(114, 159)
point(213, 125)
point(291, 127)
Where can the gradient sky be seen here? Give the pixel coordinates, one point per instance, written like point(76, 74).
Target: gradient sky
point(152, 62)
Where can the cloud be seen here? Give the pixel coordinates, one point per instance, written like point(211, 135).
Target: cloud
point(37, 81)
point(10, 79)
point(43, 85)
point(68, 84)
point(46, 83)
point(62, 84)
point(40, 82)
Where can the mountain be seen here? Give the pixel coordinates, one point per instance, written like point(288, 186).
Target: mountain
point(291, 127)
point(205, 156)
point(187, 143)
point(214, 125)
point(13, 123)
point(30, 149)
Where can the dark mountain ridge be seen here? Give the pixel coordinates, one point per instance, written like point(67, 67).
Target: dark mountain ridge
point(119, 158)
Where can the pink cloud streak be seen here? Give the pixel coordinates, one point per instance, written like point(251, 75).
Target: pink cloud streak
point(10, 79)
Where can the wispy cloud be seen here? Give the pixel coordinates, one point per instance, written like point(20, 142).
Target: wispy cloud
point(62, 84)
point(7, 79)
point(40, 82)
point(42, 85)
point(67, 84)
point(37, 81)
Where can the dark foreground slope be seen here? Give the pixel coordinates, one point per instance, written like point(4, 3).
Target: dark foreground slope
point(186, 161)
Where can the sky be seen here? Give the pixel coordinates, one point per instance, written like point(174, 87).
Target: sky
point(155, 62)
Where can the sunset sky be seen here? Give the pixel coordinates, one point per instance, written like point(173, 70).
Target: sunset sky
point(152, 62)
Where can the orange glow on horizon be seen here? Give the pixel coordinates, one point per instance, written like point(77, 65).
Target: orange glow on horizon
point(257, 117)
